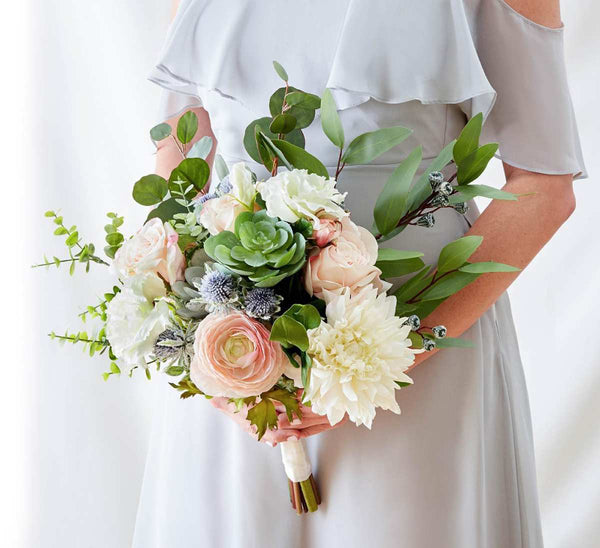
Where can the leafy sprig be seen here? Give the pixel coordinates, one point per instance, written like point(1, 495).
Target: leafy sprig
point(114, 238)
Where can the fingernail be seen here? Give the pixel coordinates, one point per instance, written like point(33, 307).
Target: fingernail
point(292, 438)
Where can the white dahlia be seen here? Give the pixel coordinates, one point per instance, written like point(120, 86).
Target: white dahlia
point(358, 356)
point(297, 194)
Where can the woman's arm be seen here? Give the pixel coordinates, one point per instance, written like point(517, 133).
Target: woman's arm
point(513, 233)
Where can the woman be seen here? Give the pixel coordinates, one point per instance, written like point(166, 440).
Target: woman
point(456, 469)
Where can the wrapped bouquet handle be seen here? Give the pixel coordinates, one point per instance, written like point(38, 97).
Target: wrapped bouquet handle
point(304, 494)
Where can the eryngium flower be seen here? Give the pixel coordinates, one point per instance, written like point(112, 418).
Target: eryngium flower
point(169, 344)
point(358, 356)
point(262, 303)
point(217, 289)
point(264, 249)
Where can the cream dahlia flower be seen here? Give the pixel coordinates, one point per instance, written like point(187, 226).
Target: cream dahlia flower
point(297, 194)
point(358, 355)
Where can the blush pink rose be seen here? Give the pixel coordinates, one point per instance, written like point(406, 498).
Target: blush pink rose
point(219, 214)
point(326, 231)
point(234, 356)
point(349, 261)
point(154, 249)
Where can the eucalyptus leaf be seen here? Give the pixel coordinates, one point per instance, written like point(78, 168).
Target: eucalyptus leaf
point(412, 286)
point(166, 210)
point(283, 123)
point(187, 126)
point(368, 146)
point(303, 99)
point(295, 137)
point(401, 267)
point(191, 171)
point(281, 72)
point(150, 190)
point(448, 285)
point(330, 120)
point(304, 116)
point(306, 314)
point(468, 140)
point(301, 159)
point(474, 164)
point(487, 266)
point(160, 132)
point(392, 202)
point(220, 167)
point(456, 253)
point(390, 254)
point(201, 148)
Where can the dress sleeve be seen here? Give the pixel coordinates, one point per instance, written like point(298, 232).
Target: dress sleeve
point(178, 94)
point(532, 118)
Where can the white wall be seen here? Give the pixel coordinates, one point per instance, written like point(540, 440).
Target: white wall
point(79, 108)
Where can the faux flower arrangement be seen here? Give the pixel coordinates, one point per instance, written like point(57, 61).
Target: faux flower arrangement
point(266, 292)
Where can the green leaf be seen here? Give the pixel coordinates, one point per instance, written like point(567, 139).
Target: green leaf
point(281, 72)
point(425, 308)
point(330, 120)
point(450, 342)
point(466, 192)
point(401, 267)
point(456, 253)
point(488, 266)
point(283, 123)
point(303, 99)
point(412, 286)
point(289, 332)
point(174, 370)
point(389, 254)
point(305, 369)
point(263, 415)
point(201, 148)
point(225, 238)
point(60, 231)
point(306, 314)
point(194, 171)
point(404, 309)
point(392, 202)
point(72, 239)
point(160, 132)
point(468, 140)
point(422, 189)
point(220, 167)
point(474, 164)
point(288, 399)
point(166, 210)
point(304, 116)
point(150, 190)
point(403, 384)
point(368, 146)
point(448, 285)
point(114, 368)
point(114, 238)
point(296, 137)
point(187, 126)
point(301, 159)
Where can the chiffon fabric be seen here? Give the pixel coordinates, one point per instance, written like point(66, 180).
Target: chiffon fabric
point(457, 467)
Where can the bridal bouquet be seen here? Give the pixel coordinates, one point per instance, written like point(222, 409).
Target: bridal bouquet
point(264, 291)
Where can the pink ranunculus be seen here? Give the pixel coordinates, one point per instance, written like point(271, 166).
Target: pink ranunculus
point(349, 261)
point(326, 231)
point(219, 214)
point(234, 357)
point(154, 248)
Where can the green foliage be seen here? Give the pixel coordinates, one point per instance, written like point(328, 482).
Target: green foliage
point(392, 203)
point(78, 251)
point(187, 388)
point(113, 238)
point(290, 333)
point(474, 164)
point(468, 140)
point(160, 132)
point(304, 116)
point(91, 344)
point(281, 72)
point(330, 120)
point(150, 190)
point(187, 126)
point(487, 266)
point(450, 342)
point(298, 157)
point(261, 248)
point(456, 253)
point(263, 415)
point(167, 210)
point(303, 99)
point(201, 148)
point(368, 146)
point(191, 171)
point(221, 168)
point(296, 137)
point(466, 192)
point(283, 123)
point(99, 310)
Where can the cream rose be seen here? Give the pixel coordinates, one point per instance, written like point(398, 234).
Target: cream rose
point(325, 231)
point(234, 357)
point(219, 214)
point(349, 261)
point(153, 249)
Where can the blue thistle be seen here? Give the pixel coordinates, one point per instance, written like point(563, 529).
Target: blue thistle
point(205, 197)
point(217, 289)
point(224, 186)
point(262, 302)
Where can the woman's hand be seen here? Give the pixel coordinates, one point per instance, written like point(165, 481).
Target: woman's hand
point(310, 424)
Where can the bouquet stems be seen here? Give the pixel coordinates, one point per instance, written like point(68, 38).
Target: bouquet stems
point(304, 494)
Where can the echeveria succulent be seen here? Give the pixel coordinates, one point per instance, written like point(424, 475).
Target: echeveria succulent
point(261, 248)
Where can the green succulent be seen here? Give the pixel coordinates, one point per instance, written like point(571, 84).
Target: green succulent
point(262, 248)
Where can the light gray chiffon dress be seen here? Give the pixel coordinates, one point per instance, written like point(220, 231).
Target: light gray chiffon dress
point(456, 469)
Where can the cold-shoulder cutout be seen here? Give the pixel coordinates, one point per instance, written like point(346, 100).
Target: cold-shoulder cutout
point(480, 54)
point(551, 21)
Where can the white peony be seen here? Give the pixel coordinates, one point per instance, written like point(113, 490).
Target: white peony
point(297, 194)
point(358, 356)
point(134, 320)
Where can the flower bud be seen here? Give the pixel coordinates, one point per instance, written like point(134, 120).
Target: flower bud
point(439, 331)
point(427, 220)
point(436, 178)
point(461, 208)
point(428, 345)
point(413, 321)
point(441, 200)
point(445, 188)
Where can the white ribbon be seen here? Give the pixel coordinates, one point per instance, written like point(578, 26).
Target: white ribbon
point(295, 460)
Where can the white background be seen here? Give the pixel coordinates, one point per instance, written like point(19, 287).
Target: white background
point(77, 107)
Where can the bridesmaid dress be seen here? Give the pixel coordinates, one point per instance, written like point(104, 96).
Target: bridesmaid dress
point(456, 469)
